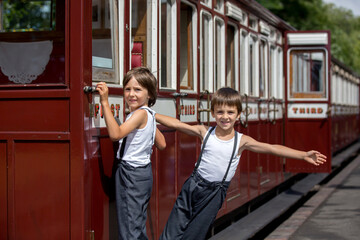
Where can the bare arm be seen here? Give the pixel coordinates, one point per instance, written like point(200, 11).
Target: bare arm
point(115, 131)
point(313, 157)
point(160, 142)
point(194, 130)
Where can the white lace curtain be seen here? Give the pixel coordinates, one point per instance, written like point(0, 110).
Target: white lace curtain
point(23, 62)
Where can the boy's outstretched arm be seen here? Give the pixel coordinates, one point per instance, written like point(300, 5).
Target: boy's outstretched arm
point(195, 130)
point(160, 142)
point(313, 157)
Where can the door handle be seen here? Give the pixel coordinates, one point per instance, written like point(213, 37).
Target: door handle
point(90, 89)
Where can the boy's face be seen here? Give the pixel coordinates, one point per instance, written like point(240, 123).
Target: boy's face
point(225, 116)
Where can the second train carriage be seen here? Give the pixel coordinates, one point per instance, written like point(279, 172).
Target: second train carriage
point(290, 85)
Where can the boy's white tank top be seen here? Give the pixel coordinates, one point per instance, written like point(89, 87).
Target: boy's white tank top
point(216, 157)
point(139, 142)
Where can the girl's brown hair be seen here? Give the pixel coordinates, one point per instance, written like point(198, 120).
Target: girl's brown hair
point(226, 96)
point(146, 79)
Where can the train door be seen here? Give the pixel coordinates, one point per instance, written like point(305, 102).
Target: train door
point(42, 167)
point(308, 118)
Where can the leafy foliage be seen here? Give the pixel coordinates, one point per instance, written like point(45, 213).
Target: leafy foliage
point(317, 15)
point(25, 15)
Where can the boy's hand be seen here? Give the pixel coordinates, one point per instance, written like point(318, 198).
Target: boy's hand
point(315, 158)
point(103, 92)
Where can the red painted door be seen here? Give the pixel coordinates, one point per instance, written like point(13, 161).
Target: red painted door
point(42, 194)
point(308, 122)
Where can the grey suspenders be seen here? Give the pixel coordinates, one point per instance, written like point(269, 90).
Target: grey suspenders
point(202, 149)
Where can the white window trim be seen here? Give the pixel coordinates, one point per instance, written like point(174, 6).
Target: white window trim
point(244, 63)
point(211, 55)
point(194, 46)
point(256, 66)
point(326, 87)
point(266, 55)
point(222, 50)
point(236, 49)
point(171, 48)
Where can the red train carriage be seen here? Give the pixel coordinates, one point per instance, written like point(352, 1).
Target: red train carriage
point(56, 159)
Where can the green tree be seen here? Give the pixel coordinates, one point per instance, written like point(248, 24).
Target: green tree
point(21, 15)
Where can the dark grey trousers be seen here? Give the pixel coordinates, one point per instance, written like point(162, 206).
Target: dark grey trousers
point(195, 209)
point(133, 187)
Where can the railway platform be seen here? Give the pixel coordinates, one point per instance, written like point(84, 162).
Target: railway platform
point(331, 213)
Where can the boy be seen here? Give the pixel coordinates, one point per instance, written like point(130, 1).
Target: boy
point(204, 191)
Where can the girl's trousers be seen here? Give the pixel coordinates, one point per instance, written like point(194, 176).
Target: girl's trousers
point(195, 209)
point(133, 187)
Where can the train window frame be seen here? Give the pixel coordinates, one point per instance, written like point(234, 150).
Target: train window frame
point(276, 72)
point(244, 64)
point(206, 84)
point(218, 6)
point(102, 72)
point(170, 71)
point(273, 80)
point(147, 39)
point(49, 44)
point(253, 79)
point(206, 3)
point(219, 53)
point(280, 54)
point(253, 23)
point(312, 95)
point(235, 56)
point(263, 68)
point(192, 82)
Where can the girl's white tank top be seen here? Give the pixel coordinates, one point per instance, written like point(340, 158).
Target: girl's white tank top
point(139, 142)
point(216, 157)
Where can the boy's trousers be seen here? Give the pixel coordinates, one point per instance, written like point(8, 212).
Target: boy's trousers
point(195, 209)
point(133, 187)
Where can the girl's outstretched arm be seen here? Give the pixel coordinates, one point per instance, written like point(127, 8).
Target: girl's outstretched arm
point(160, 142)
point(194, 130)
point(313, 157)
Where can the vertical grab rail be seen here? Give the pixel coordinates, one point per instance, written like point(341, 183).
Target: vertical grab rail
point(273, 121)
point(208, 110)
point(246, 112)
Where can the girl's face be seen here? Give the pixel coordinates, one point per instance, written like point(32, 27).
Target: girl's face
point(135, 95)
point(225, 116)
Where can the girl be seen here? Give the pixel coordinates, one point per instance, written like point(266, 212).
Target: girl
point(133, 177)
point(204, 191)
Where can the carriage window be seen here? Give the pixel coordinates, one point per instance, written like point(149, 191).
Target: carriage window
point(273, 82)
point(32, 42)
point(206, 71)
point(253, 66)
point(276, 73)
point(187, 47)
point(139, 33)
point(307, 74)
point(263, 69)
point(244, 47)
point(206, 2)
point(219, 52)
point(219, 5)
point(104, 60)
point(232, 53)
point(168, 44)
point(280, 74)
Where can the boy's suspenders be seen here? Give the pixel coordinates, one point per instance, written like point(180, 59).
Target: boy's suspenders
point(202, 149)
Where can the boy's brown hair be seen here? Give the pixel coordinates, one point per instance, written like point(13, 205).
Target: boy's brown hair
point(226, 96)
point(146, 79)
